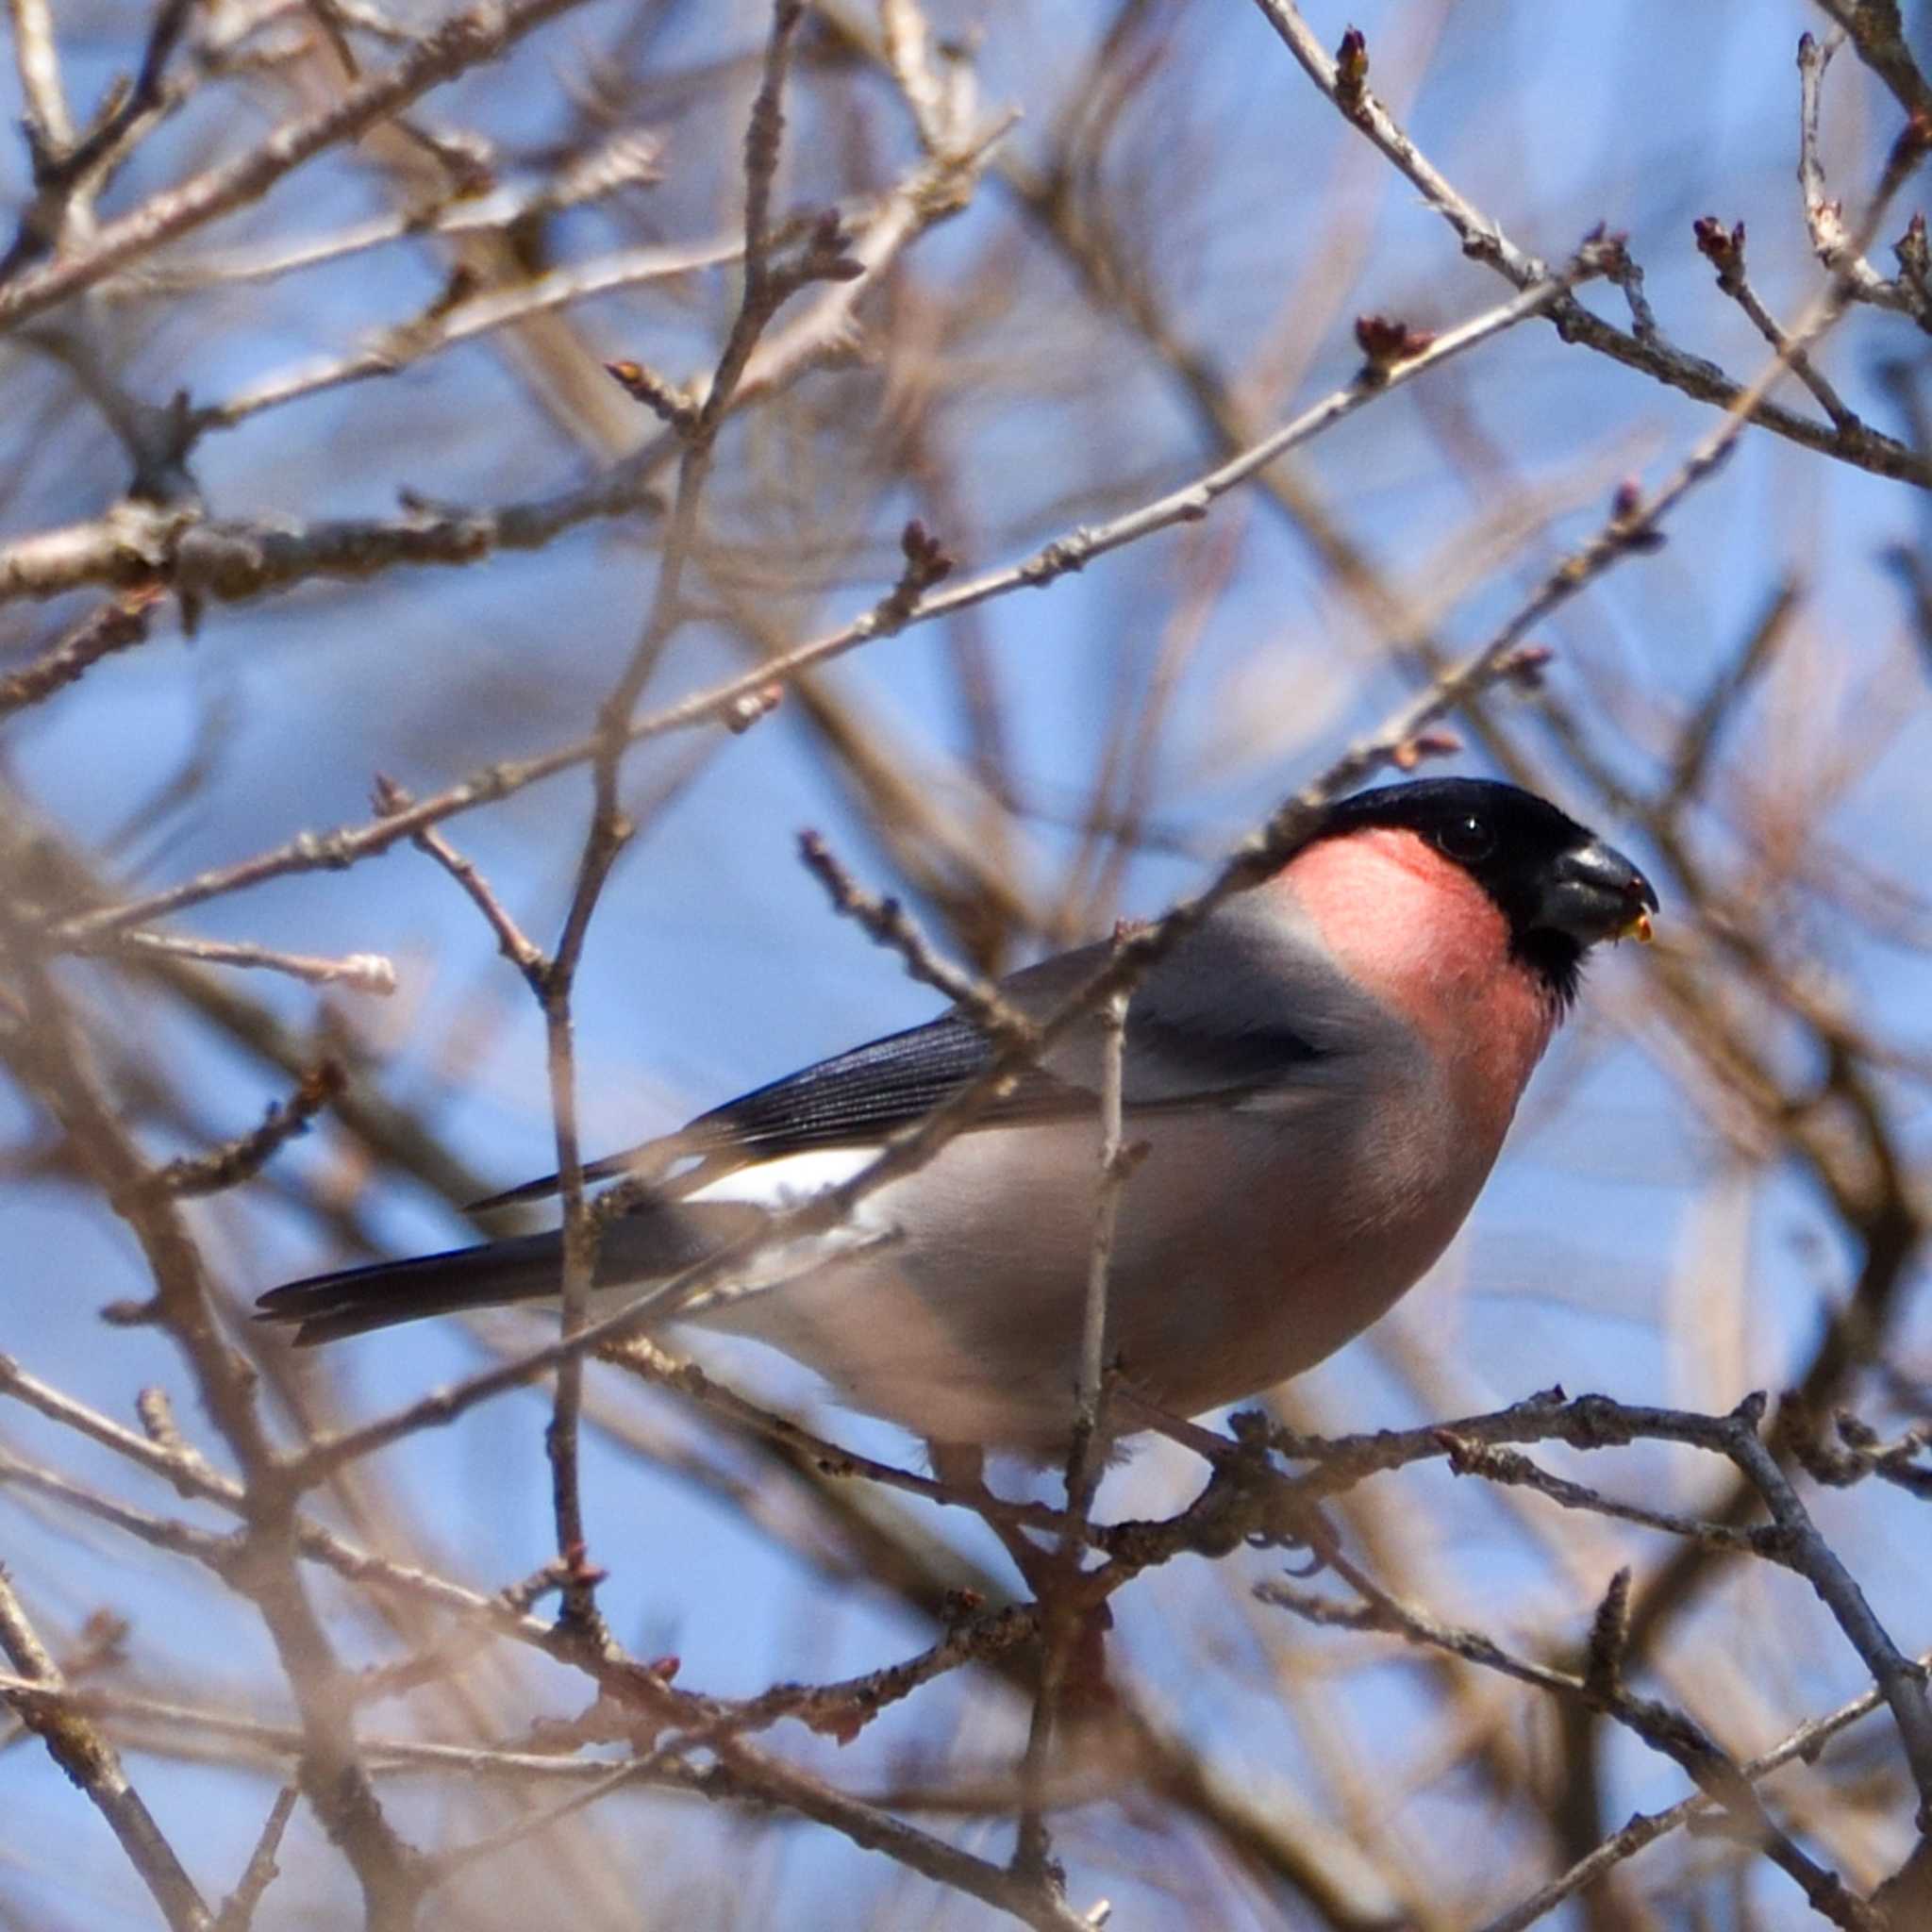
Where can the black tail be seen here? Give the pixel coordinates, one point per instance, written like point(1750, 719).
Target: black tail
point(656, 1238)
point(357, 1299)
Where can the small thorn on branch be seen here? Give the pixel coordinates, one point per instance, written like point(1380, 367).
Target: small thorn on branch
point(1913, 257)
point(575, 1568)
point(1723, 248)
point(1386, 344)
point(1526, 665)
point(926, 564)
point(1351, 70)
point(657, 393)
point(745, 711)
point(242, 1157)
point(825, 258)
point(1425, 744)
point(1629, 528)
point(1914, 140)
point(1609, 1631)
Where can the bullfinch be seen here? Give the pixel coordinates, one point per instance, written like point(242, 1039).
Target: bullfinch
point(1319, 1078)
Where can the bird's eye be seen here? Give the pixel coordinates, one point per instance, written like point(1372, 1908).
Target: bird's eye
point(1467, 840)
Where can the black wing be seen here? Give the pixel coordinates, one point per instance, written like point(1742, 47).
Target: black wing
point(849, 1100)
point(1179, 1053)
point(863, 1095)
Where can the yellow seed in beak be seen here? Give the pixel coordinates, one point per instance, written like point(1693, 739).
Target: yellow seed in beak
point(1638, 929)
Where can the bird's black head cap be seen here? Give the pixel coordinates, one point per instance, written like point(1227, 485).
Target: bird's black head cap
point(1559, 886)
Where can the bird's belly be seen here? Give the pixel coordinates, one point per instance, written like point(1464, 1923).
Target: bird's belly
point(1248, 1249)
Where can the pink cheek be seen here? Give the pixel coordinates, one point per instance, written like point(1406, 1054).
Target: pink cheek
point(1419, 933)
point(1403, 921)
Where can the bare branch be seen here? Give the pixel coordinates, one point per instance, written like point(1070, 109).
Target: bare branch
point(235, 559)
point(239, 1908)
point(64, 166)
point(370, 972)
point(94, 1766)
point(439, 328)
point(115, 625)
point(1724, 250)
point(1483, 240)
point(461, 42)
point(1058, 1578)
point(728, 702)
point(1824, 217)
point(1877, 30)
point(888, 923)
point(240, 1160)
point(626, 159)
point(1901, 1682)
point(1672, 1733)
point(52, 1063)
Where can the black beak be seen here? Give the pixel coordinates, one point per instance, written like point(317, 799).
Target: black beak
point(1594, 892)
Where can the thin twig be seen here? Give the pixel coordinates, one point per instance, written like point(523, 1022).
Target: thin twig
point(415, 341)
point(1723, 248)
point(459, 43)
point(1901, 1682)
point(38, 59)
point(233, 559)
point(1672, 1733)
point(238, 1907)
point(1034, 1903)
point(94, 1764)
point(1698, 738)
point(512, 940)
point(244, 1158)
point(1824, 217)
point(889, 924)
point(1803, 1743)
point(67, 167)
point(52, 1062)
point(728, 702)
point(117, 626)
point(642, 1357)
point(1484, 240)
point(520, 1831)
point(611, 829)
point(370, 973)
point(1062, 1610)
point(626, 158)
point(1507, 1466)
point(1876, 29)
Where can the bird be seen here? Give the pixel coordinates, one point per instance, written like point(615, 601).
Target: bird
point(1317, 1081)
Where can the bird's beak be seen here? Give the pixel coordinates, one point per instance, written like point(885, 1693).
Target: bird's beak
point(1595, 892)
